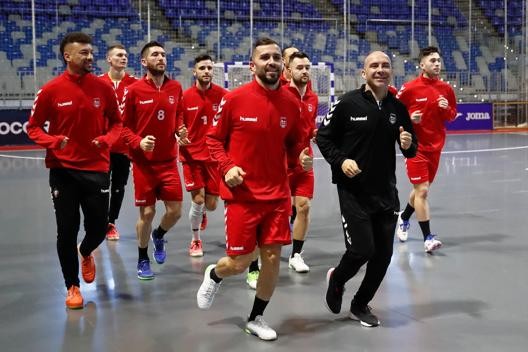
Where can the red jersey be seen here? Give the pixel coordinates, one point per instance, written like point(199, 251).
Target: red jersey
point(149, 110)
point(309, 103)
point(422, 94)
point(82, 108)
point(199, 108)
point(254, 129)
point(119, 88)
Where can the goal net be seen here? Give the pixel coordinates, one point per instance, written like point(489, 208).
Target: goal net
point(230, 75)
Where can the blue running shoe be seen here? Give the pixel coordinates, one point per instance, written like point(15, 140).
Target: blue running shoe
point(159, 250)
point(143, 270)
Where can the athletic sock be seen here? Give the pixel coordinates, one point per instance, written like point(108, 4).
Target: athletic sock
point(297, 246)
point(195, 218)
point(213, 276)
point(143, 253)
point(158, 233)
point(406, 215)
point(258, 308)
point(426, 229)
point(254, 266)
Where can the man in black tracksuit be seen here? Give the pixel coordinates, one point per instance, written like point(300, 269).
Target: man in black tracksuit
point(357, 139)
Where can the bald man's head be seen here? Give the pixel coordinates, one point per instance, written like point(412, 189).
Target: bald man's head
point(377, 70)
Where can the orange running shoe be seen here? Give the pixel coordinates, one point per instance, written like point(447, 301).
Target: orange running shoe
point(74, 299)
point(88, 268)
point(203, 225)
point(111, 232)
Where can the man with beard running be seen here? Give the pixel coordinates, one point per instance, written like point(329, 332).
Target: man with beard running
point(152, 123)
point(256, 127)
point(84, 122)
point(200, 171)
point(301, 181)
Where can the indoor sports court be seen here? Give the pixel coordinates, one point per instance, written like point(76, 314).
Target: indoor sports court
point(469, 295)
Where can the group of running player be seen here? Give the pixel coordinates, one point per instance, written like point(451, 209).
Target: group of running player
point(253, 148)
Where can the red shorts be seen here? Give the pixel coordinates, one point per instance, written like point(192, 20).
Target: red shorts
point(202, 174)
point(422, 168)
point(249, 224)
point(161, 181)
point(301, 182)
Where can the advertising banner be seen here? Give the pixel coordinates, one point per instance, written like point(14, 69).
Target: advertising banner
point(473, 116)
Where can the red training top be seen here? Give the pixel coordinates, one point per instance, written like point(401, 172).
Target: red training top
point(119, 87)
point(422, 94)
point(199, 108)
point(254, 129)
point(149, 110)
point(82, 108)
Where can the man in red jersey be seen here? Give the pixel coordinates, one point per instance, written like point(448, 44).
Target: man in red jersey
point(152, 114)
point(84, 122)
point(200, 171)
point(118, 79)
point(256, 127)
point(301, 181)
point(430, 102)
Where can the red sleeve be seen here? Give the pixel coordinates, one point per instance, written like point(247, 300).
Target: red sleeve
point(179, 113)
point(450, 113)
point(129, 121)
point(296, 141)
point(217, 137)
point(39, 115)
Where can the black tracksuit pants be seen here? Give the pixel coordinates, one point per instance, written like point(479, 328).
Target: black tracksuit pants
point(72, 190)
point(119, 171)
point(369, 239)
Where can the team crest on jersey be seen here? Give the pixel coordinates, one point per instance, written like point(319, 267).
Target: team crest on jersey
point(392, 118)
point(310, 107)
point(171, 99)
point(283, 122)
point(215, 107)
point(96, 103)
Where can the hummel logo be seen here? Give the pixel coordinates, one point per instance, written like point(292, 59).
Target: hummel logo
point(150, 101)
point(421, 99)
point(67, 103)
point(248, 119)
point(358, 118)
point(192, 108)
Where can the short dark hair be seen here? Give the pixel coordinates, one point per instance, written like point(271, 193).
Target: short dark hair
point(150, 45)
point(74, 37)
point(427, 51)
point(298, 55)
point(115, 46)
point(202, 58)
point(264, 41)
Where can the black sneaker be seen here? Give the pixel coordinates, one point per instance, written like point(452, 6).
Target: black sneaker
point(364, 315)
point(334, 294)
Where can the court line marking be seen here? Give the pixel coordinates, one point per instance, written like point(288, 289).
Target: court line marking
point(321, 158)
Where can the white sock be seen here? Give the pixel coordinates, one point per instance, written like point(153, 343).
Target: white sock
point(195, 218)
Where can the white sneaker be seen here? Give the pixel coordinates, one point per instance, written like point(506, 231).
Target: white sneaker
point(402, 230)
point(261, 329)
point(207, 291)
point(252, 279)
point(297, 263)
point(432, 243)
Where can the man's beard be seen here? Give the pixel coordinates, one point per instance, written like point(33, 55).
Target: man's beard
point(267, 80)
point(155, 72)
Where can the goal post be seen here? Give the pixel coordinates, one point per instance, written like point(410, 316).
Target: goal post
point(231, 75)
